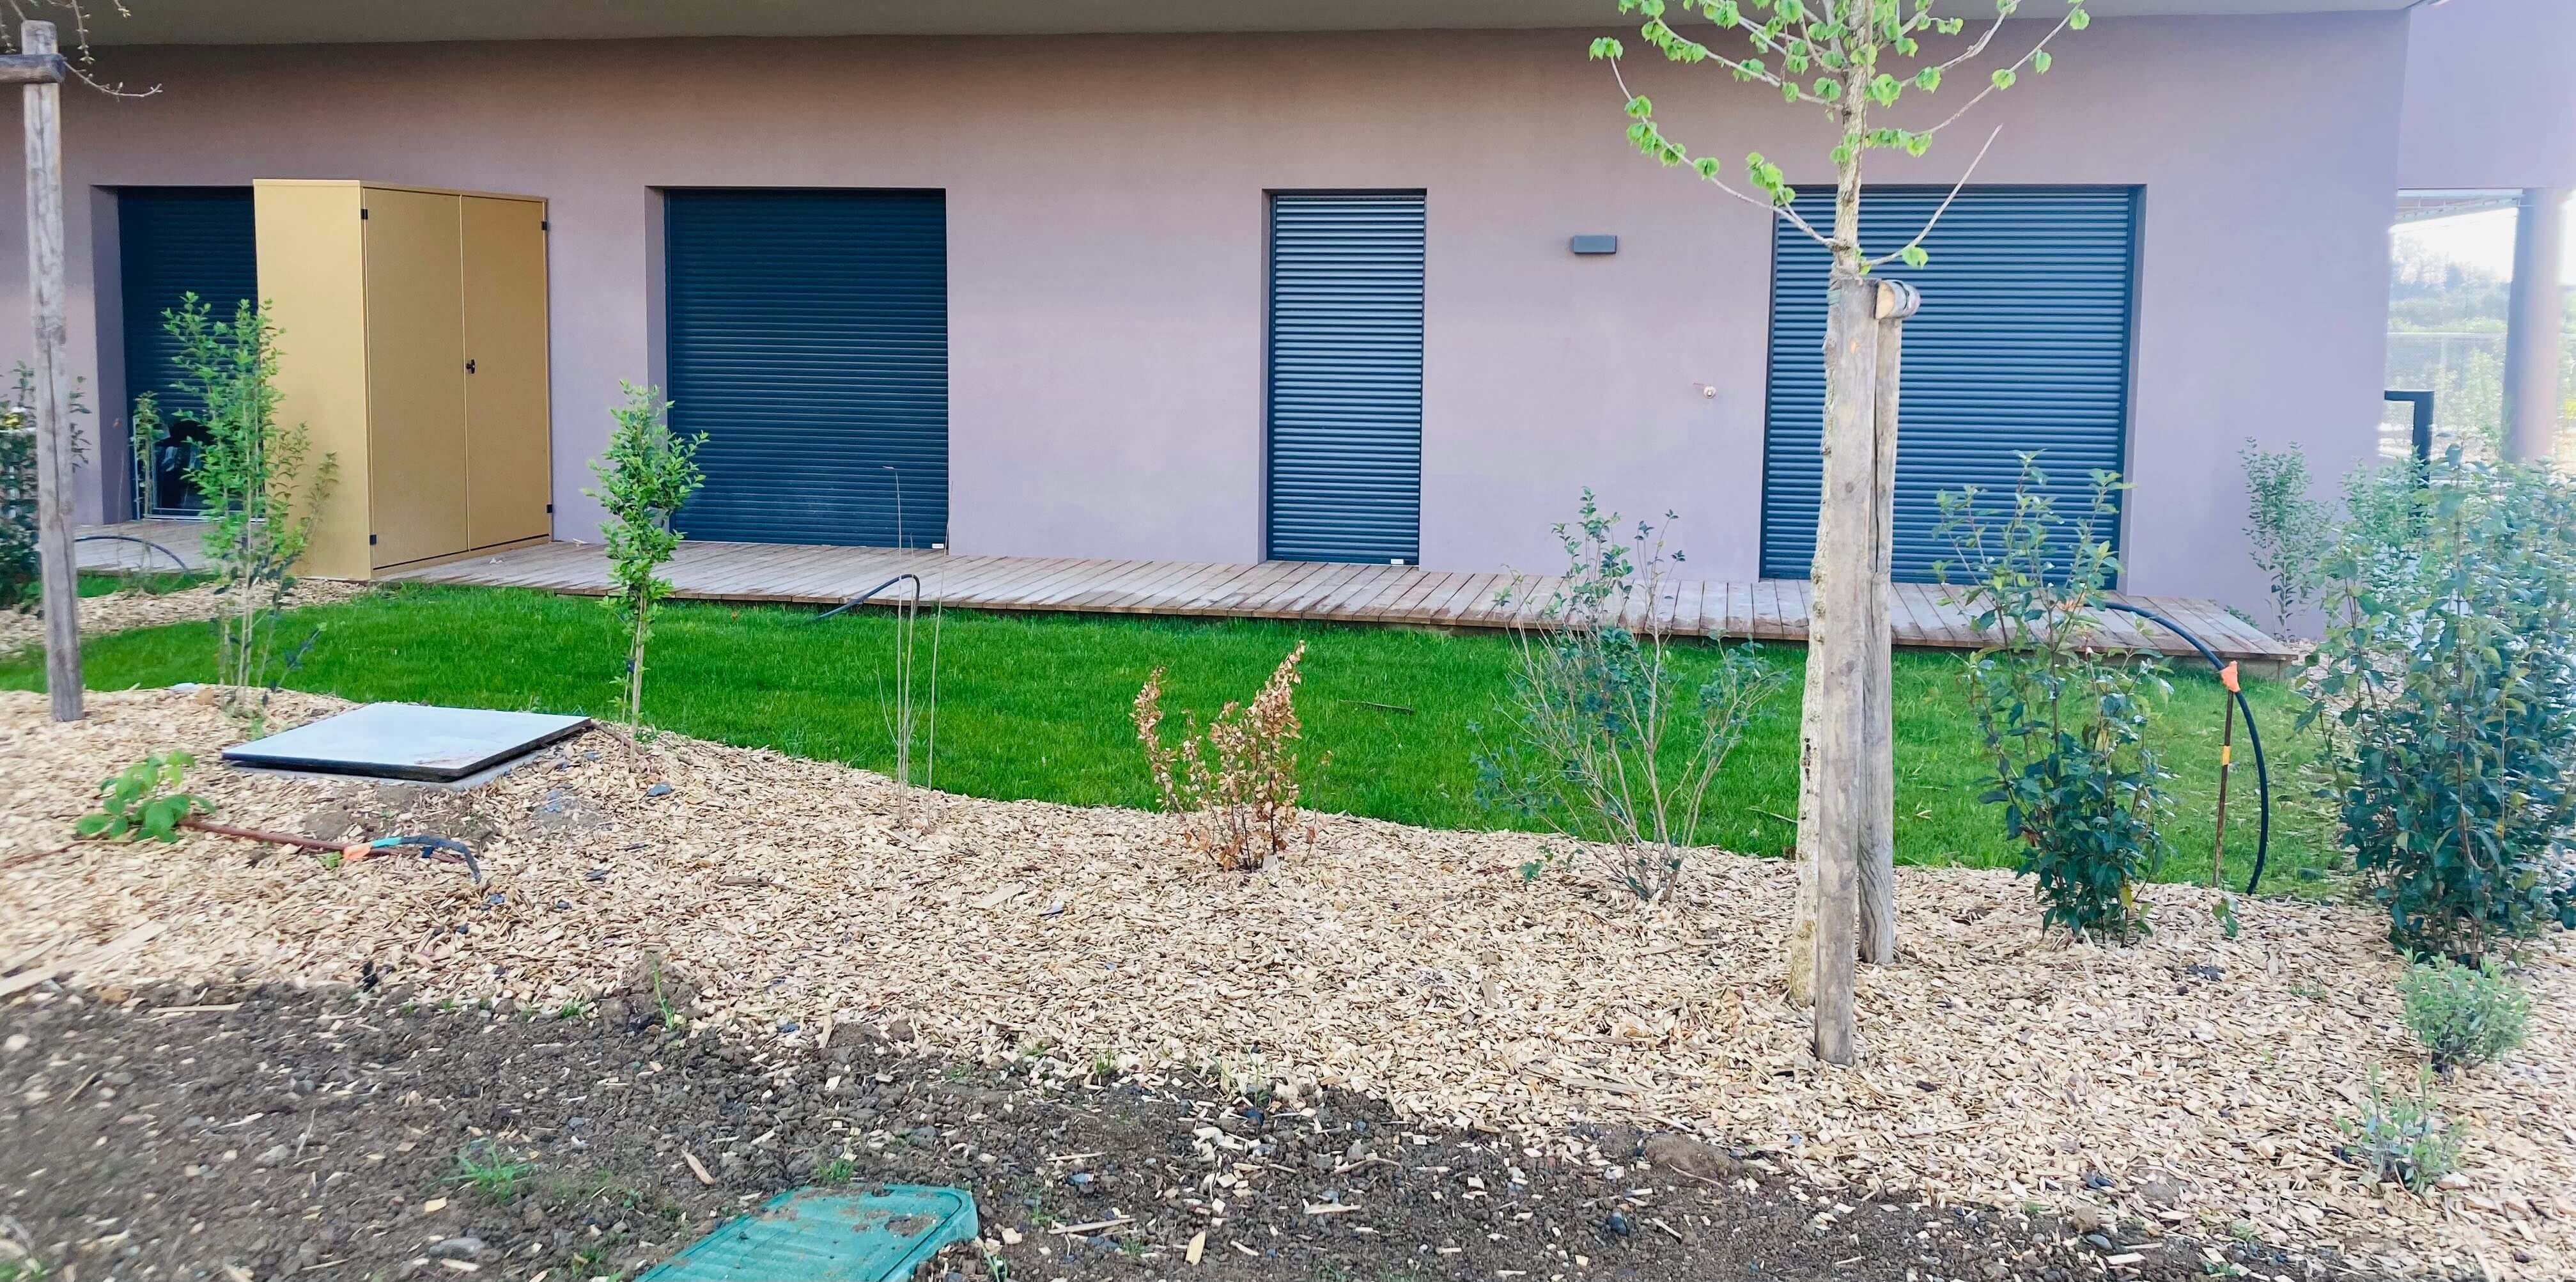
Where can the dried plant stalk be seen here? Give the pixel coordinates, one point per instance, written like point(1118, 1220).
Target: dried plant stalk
point(1240, 809)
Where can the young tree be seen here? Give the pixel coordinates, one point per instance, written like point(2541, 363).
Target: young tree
point(1849, 59)
point(647, 476)
point(263, 489)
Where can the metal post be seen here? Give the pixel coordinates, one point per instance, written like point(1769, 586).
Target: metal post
point(60, 594)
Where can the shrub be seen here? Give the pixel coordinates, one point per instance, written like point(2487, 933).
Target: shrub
point(1241, 809)
point(2401, 1139)
point(646, 477)
point(261, 492)
point(1608, 741)
point(2465, 1015)
point(2285, 527)
point(19, 514)
point(143, 800)
point(2446, 687)
point(2063, 719)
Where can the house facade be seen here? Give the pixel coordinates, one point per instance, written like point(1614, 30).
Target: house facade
point(1326, 280)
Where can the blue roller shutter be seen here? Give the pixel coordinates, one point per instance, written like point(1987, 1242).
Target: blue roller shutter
point(2022, 345)
point(808, 338)
point(173, 241)
point(1345, 388)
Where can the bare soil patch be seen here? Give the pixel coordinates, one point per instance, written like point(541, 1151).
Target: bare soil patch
point(2190, 1084)
point(320, 1135)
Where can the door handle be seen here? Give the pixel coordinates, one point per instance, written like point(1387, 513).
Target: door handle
point(469, 365)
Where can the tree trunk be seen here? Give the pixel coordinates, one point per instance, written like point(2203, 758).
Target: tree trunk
point(59, 574)
point(1836, 787)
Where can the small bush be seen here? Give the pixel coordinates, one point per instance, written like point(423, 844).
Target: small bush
point(1241, 809)
point(2064, 720)
point(143, 801)
point(2285, 527)
point(2445, 686)
point(1608, 742)
point(18, 490)
point(2401, 1139)
point(2465, 1015)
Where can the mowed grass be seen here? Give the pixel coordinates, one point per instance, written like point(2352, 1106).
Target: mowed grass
point(1036, 706)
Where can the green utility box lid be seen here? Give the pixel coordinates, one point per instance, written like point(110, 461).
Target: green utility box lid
point(816, 1235)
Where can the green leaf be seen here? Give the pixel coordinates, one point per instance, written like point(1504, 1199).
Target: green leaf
point(1928, 79)
point(2079, 20)
point(1640, 108)
point(1914, 256)
point(2003, 78)
point(2039, 61)
point(1605, 47)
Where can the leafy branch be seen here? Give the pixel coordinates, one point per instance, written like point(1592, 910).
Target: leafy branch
point(1832, 54)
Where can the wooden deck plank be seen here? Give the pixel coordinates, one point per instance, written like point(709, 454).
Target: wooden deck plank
point(1402, 608)
point(1920, 616)
point(1104, 586)
point(1474, 600)
point(1298, 603)
point(1446, 589)
point(1160, 595)
point(1370, 598)
point(1145, 587)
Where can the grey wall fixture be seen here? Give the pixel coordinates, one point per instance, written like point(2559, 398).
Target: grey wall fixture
point(1596, 244)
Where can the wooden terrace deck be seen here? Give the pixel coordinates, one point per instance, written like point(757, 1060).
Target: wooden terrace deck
point(1768, 609)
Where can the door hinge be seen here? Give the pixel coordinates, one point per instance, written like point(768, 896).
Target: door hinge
point(371, 540)
point(550, 509)
point(362, 213)
point(545, 224)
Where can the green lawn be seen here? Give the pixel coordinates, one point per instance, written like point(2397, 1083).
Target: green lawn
point(1037, 706)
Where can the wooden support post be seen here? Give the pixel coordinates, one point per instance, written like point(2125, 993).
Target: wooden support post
point(1893, 302)
point(60, 593)
point(1838, 655)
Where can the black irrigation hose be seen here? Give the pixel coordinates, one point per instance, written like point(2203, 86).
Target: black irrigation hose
point(175, 558)
point(430, 846)
point(2262, 774)
point(861, 598)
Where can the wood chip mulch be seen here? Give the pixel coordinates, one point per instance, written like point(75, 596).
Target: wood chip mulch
point(2192, 1081)
point(119, 611)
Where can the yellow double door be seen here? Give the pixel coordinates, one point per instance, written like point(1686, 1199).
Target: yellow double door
point(457, 411)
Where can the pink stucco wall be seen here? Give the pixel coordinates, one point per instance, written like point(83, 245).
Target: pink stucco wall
point(1105, 201)
point(2489, 98)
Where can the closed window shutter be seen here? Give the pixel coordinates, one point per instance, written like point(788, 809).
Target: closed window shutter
point(1345, 393)
point(173, 241)
point(808, 338)
point(2022, 345)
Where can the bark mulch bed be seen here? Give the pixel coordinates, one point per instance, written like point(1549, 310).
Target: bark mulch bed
point(2191, 1083)
point(123, 610)
point(326, 1134)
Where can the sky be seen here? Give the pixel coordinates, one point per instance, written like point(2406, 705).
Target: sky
point(2482, 240)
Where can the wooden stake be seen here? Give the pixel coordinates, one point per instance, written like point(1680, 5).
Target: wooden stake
point(60, 593)
point(1894, 301)
point(1836, 751)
